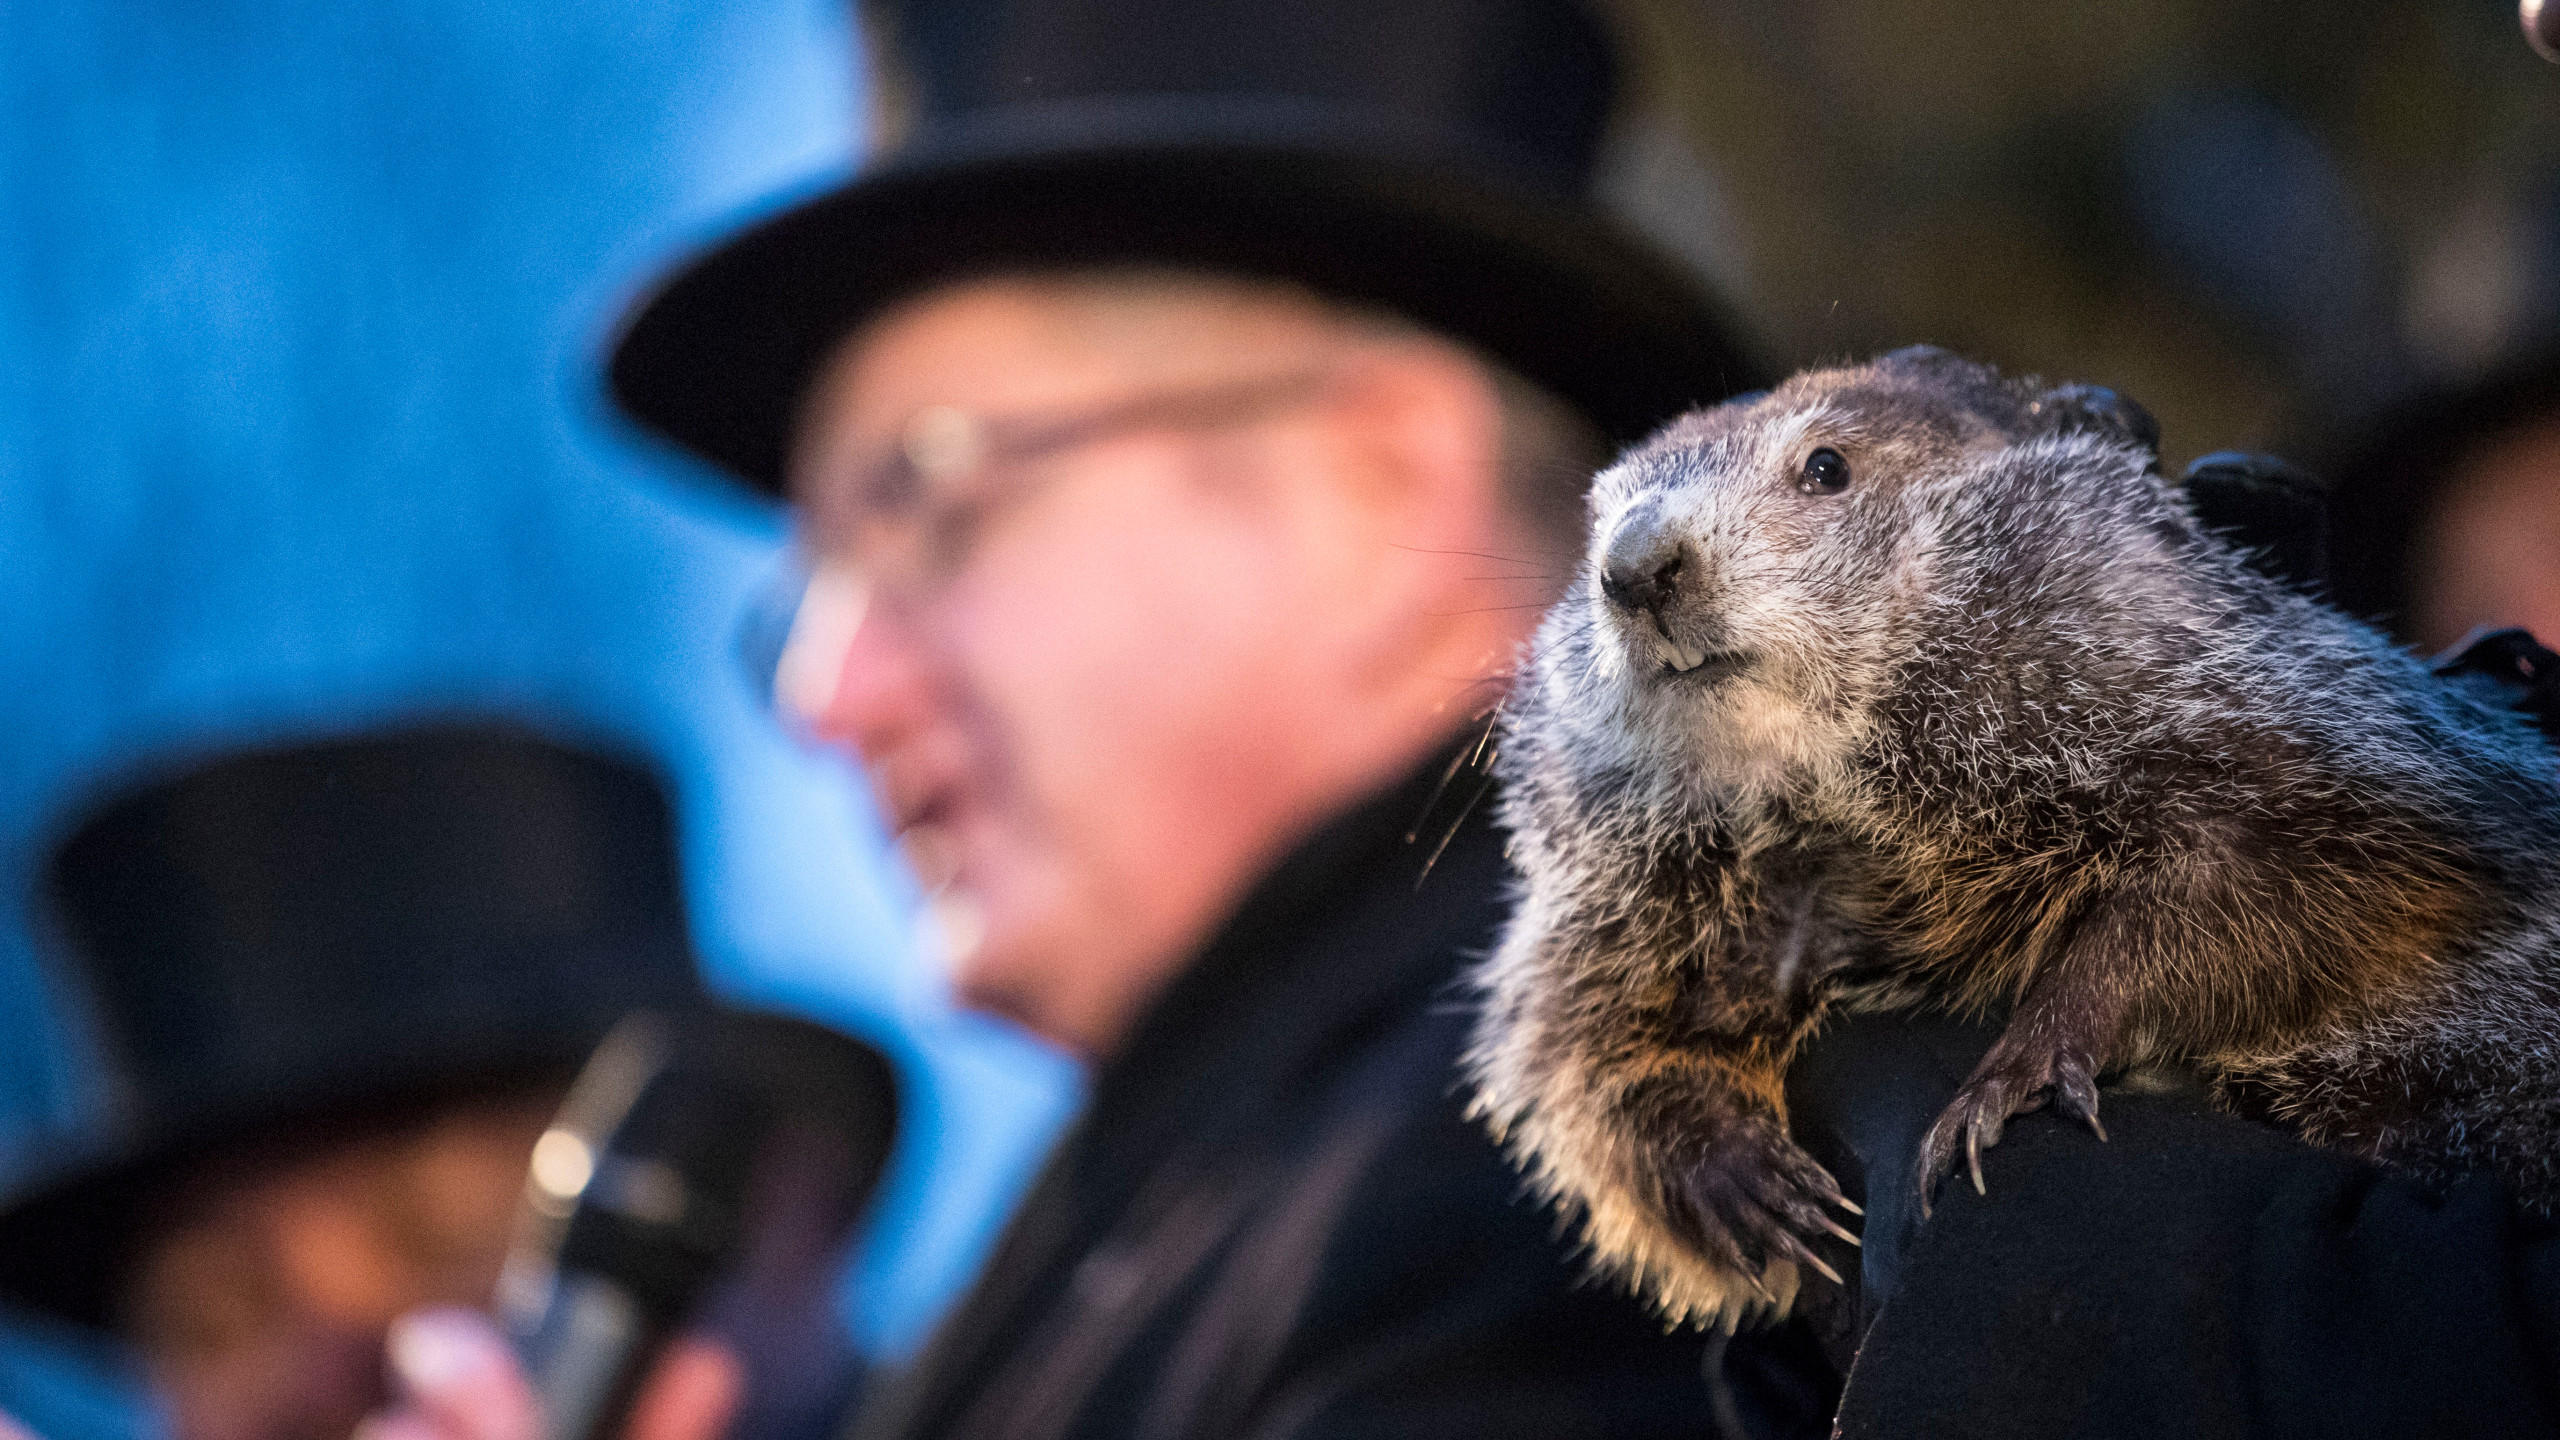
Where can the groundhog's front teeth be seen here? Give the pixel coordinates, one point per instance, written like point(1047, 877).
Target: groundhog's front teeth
point(1692, 662)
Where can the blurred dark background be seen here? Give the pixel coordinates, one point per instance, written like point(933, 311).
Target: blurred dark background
point(2265, 219)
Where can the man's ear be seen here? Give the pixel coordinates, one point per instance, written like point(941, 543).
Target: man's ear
point(2080, 409)
point(1427, 424)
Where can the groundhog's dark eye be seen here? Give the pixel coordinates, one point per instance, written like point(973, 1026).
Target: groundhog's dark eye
point(1825, 473)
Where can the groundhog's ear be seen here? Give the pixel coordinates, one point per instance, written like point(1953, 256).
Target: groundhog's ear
point(1929, 360)
point(2078, 408)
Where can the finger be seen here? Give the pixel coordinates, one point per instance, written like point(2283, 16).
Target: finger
point(1716, 1238)
point(1786, 1244)
point(1723, 1213)
point(692, 1393)
point(2076, 1094)
point(1799, 1202)
point(1803, 1255)
point(457, 1379)
point(1742, 1234)
point(1937, 1156)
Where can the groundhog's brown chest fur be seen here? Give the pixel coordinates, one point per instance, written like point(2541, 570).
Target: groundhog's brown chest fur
point(1913, 685)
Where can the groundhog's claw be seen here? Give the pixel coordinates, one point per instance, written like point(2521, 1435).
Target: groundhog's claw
point(1756, 1198)
point(2075, 1093)
point(2011, 1080)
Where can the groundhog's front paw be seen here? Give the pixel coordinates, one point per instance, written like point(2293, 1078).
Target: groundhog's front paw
point(2020, 1074)
point(1754, 1197)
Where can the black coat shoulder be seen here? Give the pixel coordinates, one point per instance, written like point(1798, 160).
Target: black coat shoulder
point(2195, 1274)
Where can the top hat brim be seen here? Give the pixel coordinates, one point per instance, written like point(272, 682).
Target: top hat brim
point(69, 1233)
point(719, 358)
point(69, 1246)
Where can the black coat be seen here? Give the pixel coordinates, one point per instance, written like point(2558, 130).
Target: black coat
point(2194, 1275)
point(1274, 1220)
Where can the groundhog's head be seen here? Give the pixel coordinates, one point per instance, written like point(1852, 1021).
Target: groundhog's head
point(1755, 568)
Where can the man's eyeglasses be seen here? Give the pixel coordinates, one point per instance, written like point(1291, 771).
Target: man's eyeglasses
point(906, 521)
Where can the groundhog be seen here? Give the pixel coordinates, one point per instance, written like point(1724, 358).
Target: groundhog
point(1913, 685)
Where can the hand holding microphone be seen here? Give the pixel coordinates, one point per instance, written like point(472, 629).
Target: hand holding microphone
point(700, 1178)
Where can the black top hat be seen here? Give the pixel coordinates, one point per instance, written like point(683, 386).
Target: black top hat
point(1428, 157)
point(352, 929)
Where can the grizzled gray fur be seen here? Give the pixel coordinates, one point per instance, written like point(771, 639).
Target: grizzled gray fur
point(1911, 684)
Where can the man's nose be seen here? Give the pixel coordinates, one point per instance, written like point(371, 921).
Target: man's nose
point(844, 674)
point(1646, 561)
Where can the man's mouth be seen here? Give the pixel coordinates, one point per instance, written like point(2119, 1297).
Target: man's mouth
point(912, 790)
point(931, 852)
point(921, 810)
point(924, 812)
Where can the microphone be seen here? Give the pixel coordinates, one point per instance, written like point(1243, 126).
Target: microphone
point(689, 1143)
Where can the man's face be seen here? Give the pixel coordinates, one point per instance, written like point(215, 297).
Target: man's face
point(267, 1277)
point(1101, 695)
point(2489, 555)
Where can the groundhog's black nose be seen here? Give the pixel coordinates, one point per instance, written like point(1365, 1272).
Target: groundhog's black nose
point(1642, 566)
